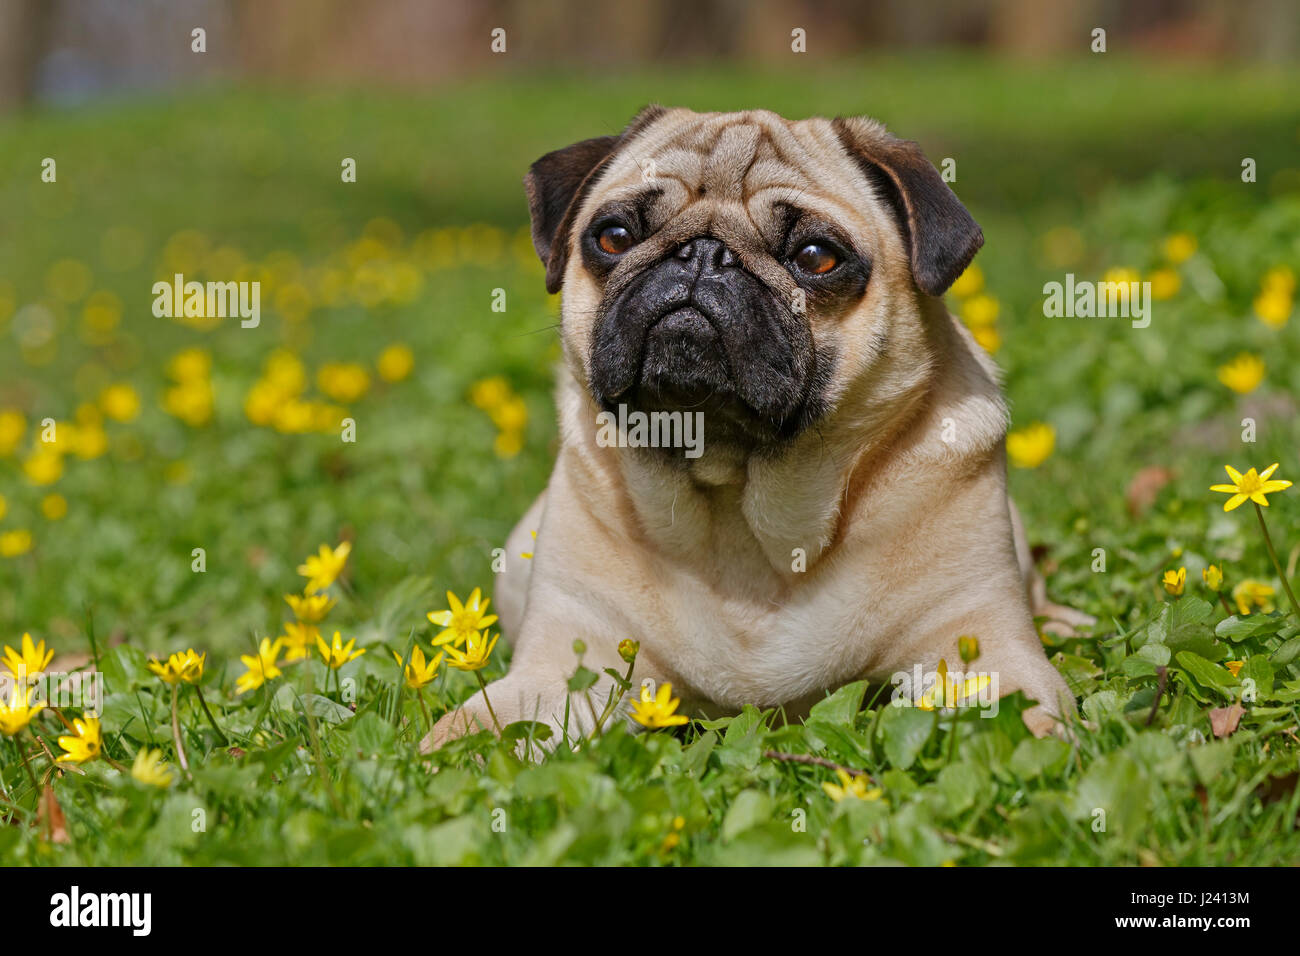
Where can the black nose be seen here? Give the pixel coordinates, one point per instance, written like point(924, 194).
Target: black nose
point(708, 254)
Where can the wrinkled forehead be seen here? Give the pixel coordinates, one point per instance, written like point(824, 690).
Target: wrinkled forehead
point(734, 172)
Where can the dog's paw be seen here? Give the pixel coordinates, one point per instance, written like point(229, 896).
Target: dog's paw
point(461, 722)
point(1062, 621)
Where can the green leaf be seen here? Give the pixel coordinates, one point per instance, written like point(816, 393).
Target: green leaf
point(1209, 675)
point(961, 784)
point(1286, 653)
point(1237, 629)
point(372, 734)
point(904, 731)
point(1035, 757)
point(1212, 760)
point(1258, 669)
point(523, 729)
point(840, 707)
point(582, 679)
point(695, 758)
point(748, 809)
point(322, 708)
point(1115, 785)
point(1080, 673)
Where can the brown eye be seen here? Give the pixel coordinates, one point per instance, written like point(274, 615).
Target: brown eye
point(816, 260)
point(615, 240)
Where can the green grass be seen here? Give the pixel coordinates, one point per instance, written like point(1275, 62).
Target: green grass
point(1120, 152)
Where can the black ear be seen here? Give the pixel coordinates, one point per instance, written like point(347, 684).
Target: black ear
point(942, 237)
point(558, 182)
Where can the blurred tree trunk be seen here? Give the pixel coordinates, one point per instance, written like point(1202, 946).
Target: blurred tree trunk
point(24, 36)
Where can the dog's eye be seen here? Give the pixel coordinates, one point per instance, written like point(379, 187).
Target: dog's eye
point(816, 259)
point(615, 240)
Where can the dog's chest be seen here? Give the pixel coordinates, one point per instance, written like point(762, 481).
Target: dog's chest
point(733, 650)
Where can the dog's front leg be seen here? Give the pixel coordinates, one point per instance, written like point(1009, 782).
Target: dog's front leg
point(537, 689)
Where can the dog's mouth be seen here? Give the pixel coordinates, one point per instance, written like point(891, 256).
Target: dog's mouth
point(680, 337)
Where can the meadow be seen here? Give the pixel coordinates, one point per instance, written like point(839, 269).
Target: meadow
point(163, 480)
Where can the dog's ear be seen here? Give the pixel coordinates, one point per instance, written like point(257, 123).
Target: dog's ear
point(942, 237)
point(558, 182)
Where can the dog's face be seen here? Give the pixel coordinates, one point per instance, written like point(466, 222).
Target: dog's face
point(742, 265)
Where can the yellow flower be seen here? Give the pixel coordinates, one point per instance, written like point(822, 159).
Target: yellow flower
point(980, 311)
point(657, 711)
point(488, 393)
point(1273, 307)
point(85, 745)
point(1250, 486)
point(1243, 374)
point(395, 362)
point(337, 654)
point(54, 507)
point(32, 661)
point(987, 338)
point(343, 381)
point(15, 543)
point(12, 427)
point(150, 769)
point(1179, 247)
point(1234, 667)
point(968, 283)
point(190, 365)
point(1165, 283)
point(1031, 446)
point(186, 666)
point(510, 415)
point(969, 648)
point(19, 711)
point(461, 622)
point(120, 402)
point(321, 570)
point(43, 467)
point(191, 402)
point(1279, 279)
point(419, 672)
point(299, 638)
point(1213, 577)
point(946, 692)
point(261, 668)
point(1122, 275)
point(90, 442)
point(851, 786)
point(474, 656)
point(285, 373)
point(508, 444)
point(1175, 581)
point(310, 608)
point(628, 650)
point(1251, 594)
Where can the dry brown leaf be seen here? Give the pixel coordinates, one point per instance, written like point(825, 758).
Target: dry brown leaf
point(1224, 720)
point(1144, 487)
point(50, 819)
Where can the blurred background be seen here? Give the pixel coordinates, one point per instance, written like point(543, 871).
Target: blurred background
point(67, 51)
point(377, 294)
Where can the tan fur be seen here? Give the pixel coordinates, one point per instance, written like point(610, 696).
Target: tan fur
point(897, 497)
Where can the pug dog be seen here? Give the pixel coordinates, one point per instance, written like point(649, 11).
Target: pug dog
point(840, 511)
